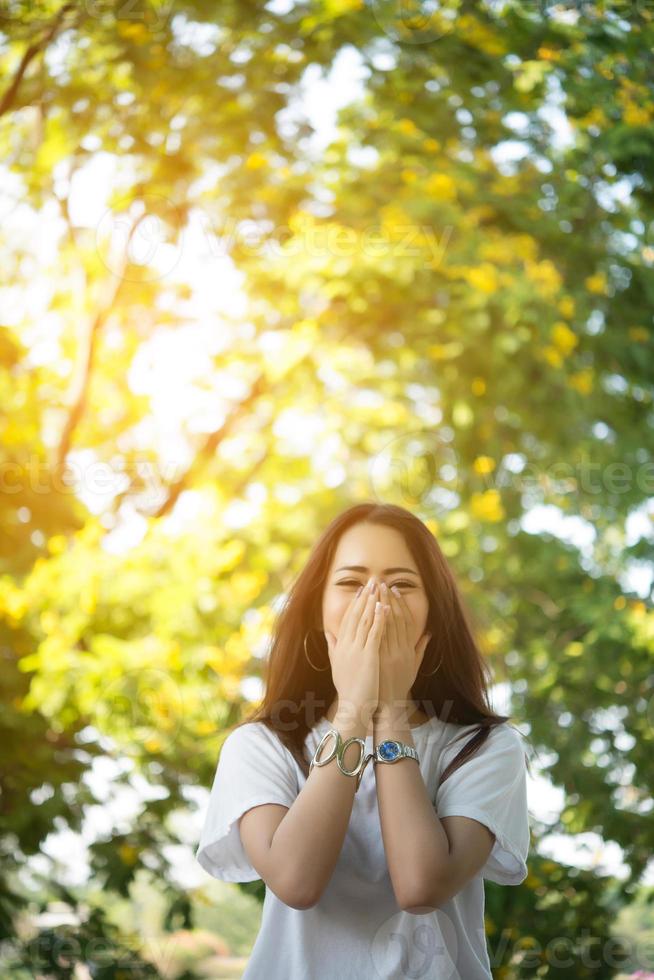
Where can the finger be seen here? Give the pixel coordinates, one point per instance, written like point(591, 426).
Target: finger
point(356, 609)
point(374, 636)
point(405, 616)
point(365, 622)
point(383, 646)
point(393, 627)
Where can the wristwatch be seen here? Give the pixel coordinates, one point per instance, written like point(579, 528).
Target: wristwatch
point(391, 751)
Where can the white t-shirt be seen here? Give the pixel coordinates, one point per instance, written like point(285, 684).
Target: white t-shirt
point(357, 931)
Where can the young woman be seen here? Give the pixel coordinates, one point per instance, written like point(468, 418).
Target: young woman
point(373, 866)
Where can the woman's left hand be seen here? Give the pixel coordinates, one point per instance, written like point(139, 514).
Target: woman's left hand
point(399, 660)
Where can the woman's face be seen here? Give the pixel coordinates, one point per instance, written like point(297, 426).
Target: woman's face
point(376, 550)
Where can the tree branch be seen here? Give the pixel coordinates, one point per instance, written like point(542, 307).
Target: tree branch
point(7, 100)
point(81, 385)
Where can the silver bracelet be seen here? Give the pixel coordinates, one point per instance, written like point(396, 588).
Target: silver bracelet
point(338, 750)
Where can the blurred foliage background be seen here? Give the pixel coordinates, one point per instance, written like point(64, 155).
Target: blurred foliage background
point(218, 333)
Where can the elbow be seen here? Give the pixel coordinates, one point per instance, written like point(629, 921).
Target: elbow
point(423, 902)
point(297, 896)
point(420, 908)
point(301, 902)
point(294, 900)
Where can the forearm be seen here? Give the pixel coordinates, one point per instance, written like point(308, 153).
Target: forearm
point(309, 839)
point(416, 845)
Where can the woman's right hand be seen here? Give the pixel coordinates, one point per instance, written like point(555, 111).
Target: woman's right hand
point(354, 654)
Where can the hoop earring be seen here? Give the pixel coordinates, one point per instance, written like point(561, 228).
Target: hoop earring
point(432, 671)
point(319, 669)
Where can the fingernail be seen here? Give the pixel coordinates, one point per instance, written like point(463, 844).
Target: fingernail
point(360, 590)
point(395, 590)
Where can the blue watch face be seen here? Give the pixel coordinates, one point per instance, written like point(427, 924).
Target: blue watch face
point(389, 750)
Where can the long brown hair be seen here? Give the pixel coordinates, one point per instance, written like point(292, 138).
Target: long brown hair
point(456, 693)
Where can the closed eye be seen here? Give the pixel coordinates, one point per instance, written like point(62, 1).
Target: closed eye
point(351, 581)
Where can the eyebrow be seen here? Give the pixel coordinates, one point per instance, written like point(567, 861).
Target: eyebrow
point(362, 568)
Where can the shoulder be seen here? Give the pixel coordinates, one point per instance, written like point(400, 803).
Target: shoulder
point(254, 737)
point(502, 740)
point(249, 733)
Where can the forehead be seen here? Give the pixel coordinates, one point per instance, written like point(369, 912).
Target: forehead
point(374, 546)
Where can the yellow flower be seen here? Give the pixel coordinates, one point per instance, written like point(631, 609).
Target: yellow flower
point(484, 464)
point(128, 853)
point(487, 506)
point(57, 544)
point(255, 161)
point(582, 381)
point(483, 277)
point(545, 276)
point(563, 338)
point(408, 127)
point(441, 186)
point(596, 283)
point(567, 306)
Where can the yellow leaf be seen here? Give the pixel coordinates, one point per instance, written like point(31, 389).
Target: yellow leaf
point(636, 115)
point(545, 277)
point(442, 352)
point(336, 8)
point(620, 602)
point(478, 386)
point(639, 334)
point(49, 621)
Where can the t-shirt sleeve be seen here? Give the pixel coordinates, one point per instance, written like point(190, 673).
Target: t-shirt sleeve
point(254, 767)
point(491, 787)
